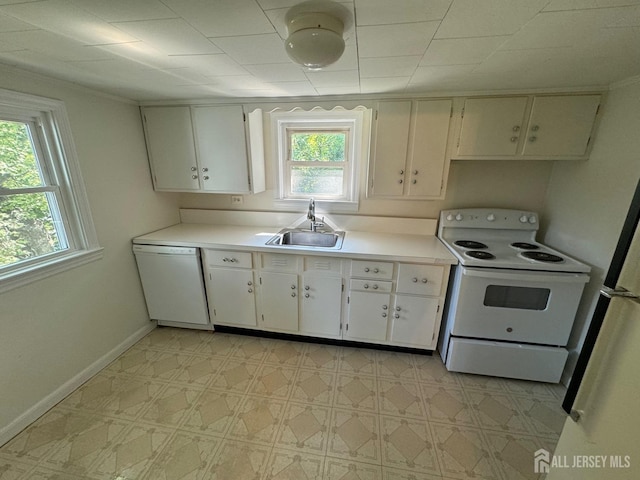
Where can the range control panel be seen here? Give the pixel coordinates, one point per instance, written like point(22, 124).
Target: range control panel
point(489, 218)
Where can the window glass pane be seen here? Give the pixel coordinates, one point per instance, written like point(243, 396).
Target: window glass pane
point(18, 165)
point(30, 227)
point(317, 181)
point(523, 298)
point(318, 146)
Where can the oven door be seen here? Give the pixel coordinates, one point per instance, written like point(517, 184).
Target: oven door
point(516, 305)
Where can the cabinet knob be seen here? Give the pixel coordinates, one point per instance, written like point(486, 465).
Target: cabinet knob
point(516, 128)
point(514, 139)
point(366, 269)
point(193, 169)
point(194, 177)
point(250, 290)
point(306, 295)
point(384, 315)
point(415, 172)
point(395, 315)
point(533, 139)
point(414, 181)
point(401, 172)
point(535, 128)
point(206, 177)
point(306, 287)
point(293, 287)
point(400, 181)
point(293, 294)
point(375, 286)
point(424, 280)
point(249, 283)
point(398, 309)
point(205, 169)
point(366, 285)
point(414, 280)
point(375, 270)
point(384, 307)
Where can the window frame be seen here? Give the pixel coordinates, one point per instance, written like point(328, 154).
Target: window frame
point(57, 159)
point(354, 122)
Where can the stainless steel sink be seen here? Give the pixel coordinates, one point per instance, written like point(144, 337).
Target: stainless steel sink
point(307, 238)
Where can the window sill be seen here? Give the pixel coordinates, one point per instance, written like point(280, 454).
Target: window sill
point(300, 205)
point(33, 273)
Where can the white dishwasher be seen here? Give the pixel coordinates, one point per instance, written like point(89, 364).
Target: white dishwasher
point(173, 285)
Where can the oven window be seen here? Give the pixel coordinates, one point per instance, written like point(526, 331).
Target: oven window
point(523, 298)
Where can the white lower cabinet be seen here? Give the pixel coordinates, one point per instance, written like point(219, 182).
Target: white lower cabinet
point(279, 301)
point(368, 316)
point(321, 304)
point(414, 321)
point(232, 292)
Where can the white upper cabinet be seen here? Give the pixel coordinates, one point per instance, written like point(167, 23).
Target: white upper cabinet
point(491, 126)
point(541, 127)
point(171, 148)
point(409, 157)
point(560, 126)
point(205, 148)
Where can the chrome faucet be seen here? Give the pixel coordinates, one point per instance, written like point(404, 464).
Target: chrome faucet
point(311, 215)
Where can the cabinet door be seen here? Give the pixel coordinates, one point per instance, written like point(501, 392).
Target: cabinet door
point(391, 143)
point(171, 148)
point(321, 304)
point(232, 292)
point(368, 316)
point(561, 125)
point(222, 149)
point(427, 149)
point(279, 301)
point(491, 126)
point(414, 320)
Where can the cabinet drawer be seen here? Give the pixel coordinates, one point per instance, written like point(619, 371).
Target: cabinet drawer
point(323, 264)
point(370, 285)
point(228, 258)
point(275, 262)
point(363, 268)
point(420, 279)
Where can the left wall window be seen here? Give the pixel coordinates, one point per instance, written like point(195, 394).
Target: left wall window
point(45, 222)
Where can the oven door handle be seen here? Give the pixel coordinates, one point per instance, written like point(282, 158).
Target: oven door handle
point(522, 276)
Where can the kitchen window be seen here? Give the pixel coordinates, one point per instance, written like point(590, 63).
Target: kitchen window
point(45, 224)
point(319, 153)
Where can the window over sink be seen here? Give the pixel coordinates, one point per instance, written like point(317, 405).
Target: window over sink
point(319, 154)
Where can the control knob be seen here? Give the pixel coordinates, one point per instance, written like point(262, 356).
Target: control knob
point(491, 217)
point(533, 219)
point(450, 217)
point(459, 217)
point(524, 219)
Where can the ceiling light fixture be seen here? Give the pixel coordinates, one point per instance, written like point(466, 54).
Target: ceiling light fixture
point(315, 31)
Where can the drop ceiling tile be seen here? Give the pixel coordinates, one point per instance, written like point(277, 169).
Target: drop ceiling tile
point(348, 60)
point(461, 51)
point(66, 18)
point(438, 75)
point(287, 89)
point(346, 78)
point(254, 49)
point(338, 90)
point(519, 60)
point(470, 18)
point(139, 52)
point(47, 43)
point(210, 65)
point(388, 66)
point(392, 40)
point(172, 36)
point(237, 82)
point(278, 72)
point(383, 85)
point(555, 5)
point(10, 24)
point(272, 4)
point(223, 18)
point(383, 12)
point(126, 10)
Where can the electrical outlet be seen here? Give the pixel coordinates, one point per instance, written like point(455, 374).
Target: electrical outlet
point(236, 199)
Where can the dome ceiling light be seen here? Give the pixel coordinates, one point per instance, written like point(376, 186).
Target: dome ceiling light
point(315, 31)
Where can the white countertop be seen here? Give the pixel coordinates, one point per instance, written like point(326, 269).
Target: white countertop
point(381, 246)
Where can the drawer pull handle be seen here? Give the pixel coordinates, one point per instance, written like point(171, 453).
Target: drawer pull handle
point(375, 286)
point(396, 315)
point(424, 280)
point(366, 269)
point(384, 307)
point(414, 280)
point(366, 285)
point(249, 283)
point(306, 287)
point(375, 270)
point(250, 290)
point(384, 315)
point(398, 309)
point(293, 294)
point(306, 295)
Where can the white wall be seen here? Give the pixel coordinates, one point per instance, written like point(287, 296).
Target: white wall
point(587, 201)
point(53, 329)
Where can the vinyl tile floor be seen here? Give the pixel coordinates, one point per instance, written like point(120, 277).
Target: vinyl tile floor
point(191, 405)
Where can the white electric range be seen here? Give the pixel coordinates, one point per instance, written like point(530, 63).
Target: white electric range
point(512, 300)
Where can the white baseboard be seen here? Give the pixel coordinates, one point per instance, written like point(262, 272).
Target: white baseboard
point(36, 411)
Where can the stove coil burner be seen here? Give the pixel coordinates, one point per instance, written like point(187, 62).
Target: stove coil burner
point(480, 255)
point(470, 244)
point(542, 257)
point(524, 246)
